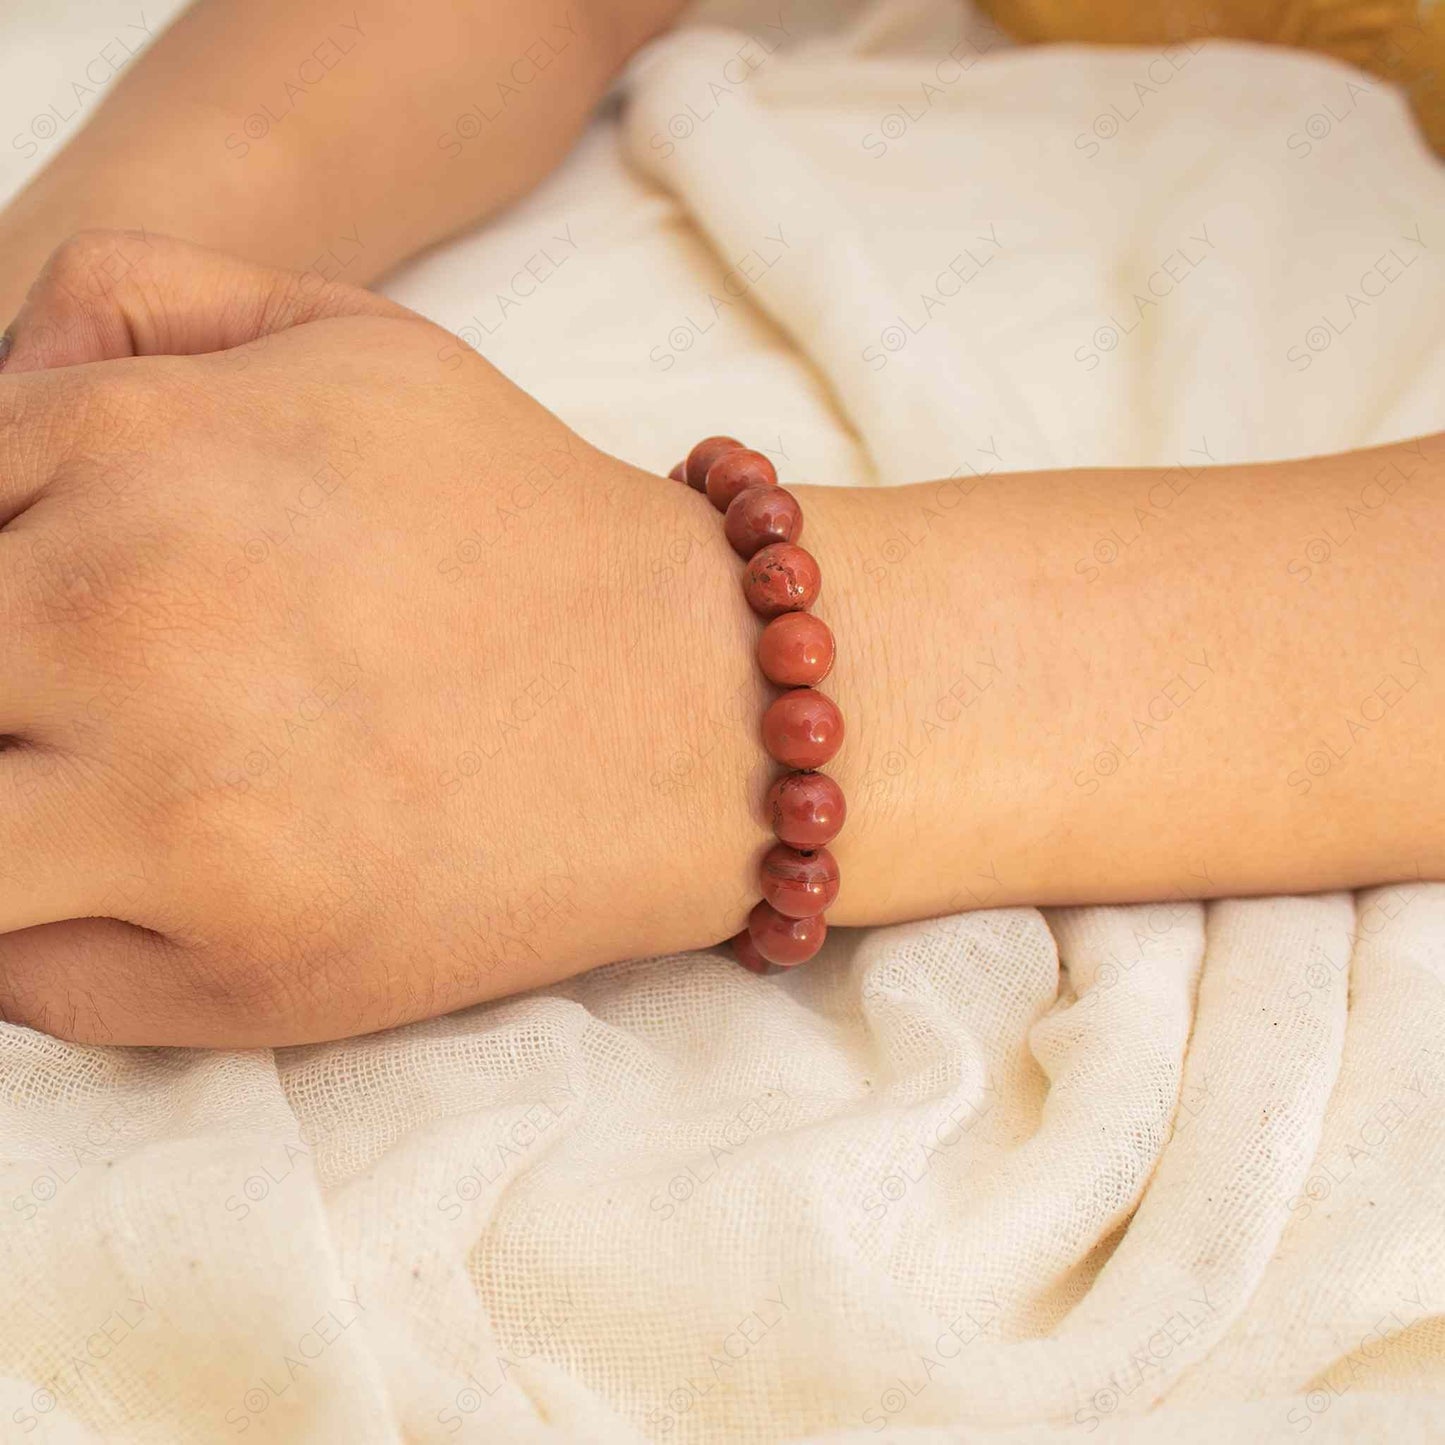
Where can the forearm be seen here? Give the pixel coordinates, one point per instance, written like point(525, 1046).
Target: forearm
point(337, 140)
point(1127, 685)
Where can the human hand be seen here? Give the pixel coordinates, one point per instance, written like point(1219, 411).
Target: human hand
point(343, 684)
point(347, 686)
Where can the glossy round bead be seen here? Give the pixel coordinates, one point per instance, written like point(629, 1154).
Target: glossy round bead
point(679, 472)
point(703, 455)
point(746, 953)
point(761, 516)
point(781, 578)
point(803, 729)
point(796, 650)
point(806, 809)
point(735, 472)
point(799, 884)
point(782, 940)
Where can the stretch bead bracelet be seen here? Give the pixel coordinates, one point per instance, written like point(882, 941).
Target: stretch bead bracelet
point(802, 729)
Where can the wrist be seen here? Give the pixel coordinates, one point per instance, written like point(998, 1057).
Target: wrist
point(878, 613)
point(717, 770)
point(927, 628)
point(706, 772)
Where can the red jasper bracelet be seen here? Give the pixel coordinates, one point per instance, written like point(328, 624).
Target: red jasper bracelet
point(802, 729)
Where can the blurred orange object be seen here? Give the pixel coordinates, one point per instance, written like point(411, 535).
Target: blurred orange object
point(1401, 40)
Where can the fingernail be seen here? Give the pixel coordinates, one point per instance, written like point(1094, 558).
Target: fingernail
point(6, 342)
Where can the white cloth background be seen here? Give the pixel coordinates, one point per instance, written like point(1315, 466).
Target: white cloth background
point(1168, 1172)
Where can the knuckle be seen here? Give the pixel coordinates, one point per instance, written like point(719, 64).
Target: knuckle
point(119, 421)
point(226, 979)
point(308, 293)
point(49, 573)
point(72, 312)
point(269, 972)
point(98, 591)
point(413, 341)
point(33, 407)
point(90, 264)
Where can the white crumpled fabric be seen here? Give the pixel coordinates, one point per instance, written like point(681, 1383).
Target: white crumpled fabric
point(1170, 1172)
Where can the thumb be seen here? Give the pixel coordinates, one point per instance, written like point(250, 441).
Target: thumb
point(110, 294)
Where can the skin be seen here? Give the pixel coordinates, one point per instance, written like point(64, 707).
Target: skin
point(344, 685)
point(318, 806)
point(389, 131)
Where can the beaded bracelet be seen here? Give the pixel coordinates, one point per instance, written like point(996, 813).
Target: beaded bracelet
point(802, 729)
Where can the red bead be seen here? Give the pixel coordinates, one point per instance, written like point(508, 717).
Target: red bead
point(803, 729)
point(679, 472)
point(799, 884)
point(761, 516)
point(746, 953)
point(806, 809)
point(781, 578)
point(735, 472)
point(785, 941)
point(703, 455)
point(796, 650)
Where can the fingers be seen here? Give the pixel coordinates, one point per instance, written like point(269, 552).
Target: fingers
point(107, 981)
point(37, 415)
point(61, 850)
point(93, 980)
point(72, 962)
point(104, 295)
